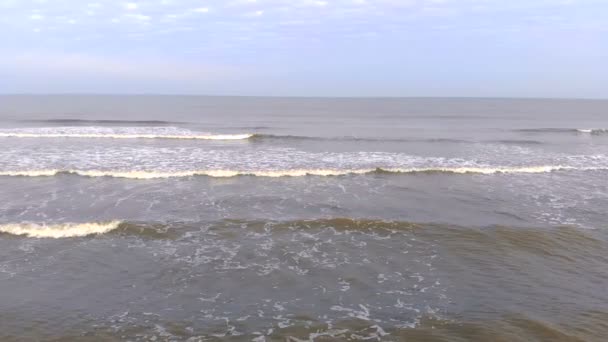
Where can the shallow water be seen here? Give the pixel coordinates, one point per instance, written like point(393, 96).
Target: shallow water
point(202, 218)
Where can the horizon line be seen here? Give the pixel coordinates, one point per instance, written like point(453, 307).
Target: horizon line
point(388, 97)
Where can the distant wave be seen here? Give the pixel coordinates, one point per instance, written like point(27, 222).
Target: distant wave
point(243, 136)
point(365, 139)
point(515, 142)
point(592, 131)
point(117, 133)
point(596, 131)
point(129, 136)
point(293, 173)
point(62, 230)
point(546, 130)
point(98, 132)
point(80, 122)
point(362, 139)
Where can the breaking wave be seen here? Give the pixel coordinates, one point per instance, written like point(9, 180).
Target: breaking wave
point(140, 174)
point(596, 131)
point(592, 131)
point(57, 231)
point(82, 122)
point(129, 136)
point(406, 140)
point(118, 133)
point(126, 132)
point(353, 138)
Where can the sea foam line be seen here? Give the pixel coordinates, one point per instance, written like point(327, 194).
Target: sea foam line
point(294, 173)
point(564, 130)
point(592, 130)
point(57, 231)
point(127, 136)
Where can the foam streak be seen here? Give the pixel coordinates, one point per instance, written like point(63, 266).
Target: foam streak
point(57, 231)
point(128, 136)
point(295, 172)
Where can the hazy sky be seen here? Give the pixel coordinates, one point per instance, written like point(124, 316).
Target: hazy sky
point(534, 48)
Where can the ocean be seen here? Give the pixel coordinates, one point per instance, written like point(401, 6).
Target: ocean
point(191, 218)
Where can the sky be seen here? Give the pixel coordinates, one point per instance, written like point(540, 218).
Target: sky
point(472, 48)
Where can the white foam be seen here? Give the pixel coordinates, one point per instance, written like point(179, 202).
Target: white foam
point(490, 170)
point(117, 133)
point(128, 136)
point(29, 173)
point(56, 231)
point(592, 131)
point(181, 174)
point(137, 174)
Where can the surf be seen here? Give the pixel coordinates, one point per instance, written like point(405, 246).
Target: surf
point(95, 132)
point(144, 174)
point(129, 136)
point(61, 230)
point(594, 131)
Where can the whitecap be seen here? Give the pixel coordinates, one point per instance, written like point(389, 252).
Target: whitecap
point(61, 230)
point(144, 174)
point(118, 133)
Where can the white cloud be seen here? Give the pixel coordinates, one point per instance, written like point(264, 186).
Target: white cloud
point(139, 17)
point(257, 13)
point(131, 6)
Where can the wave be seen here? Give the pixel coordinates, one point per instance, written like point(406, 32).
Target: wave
point(564, 235)
point(515, 142)
point(96, 132)
point(596, 131)
point(363, 139)
point(245, 136)
point(174, 230)
point(57, 231)
point(546, 130)
point(141, 174)
point(118, 133)
point(155, 230)
point(80, 122)
point(129, 136)
point(592, 131)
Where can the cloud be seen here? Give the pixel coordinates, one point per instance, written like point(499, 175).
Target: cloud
point(257, 13)
point(193, 39)
point(139, 17)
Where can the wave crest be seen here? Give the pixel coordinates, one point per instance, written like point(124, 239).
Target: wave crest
point(86, 122)
point(127, 136)
point(592, 131)
point(57, 231)
point(119, 132)
point(595, 131)
point(138, 174)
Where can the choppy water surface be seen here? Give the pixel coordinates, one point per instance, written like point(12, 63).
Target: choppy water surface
point(202, 218)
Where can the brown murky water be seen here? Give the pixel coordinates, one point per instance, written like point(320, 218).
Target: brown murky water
point(251, 219)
